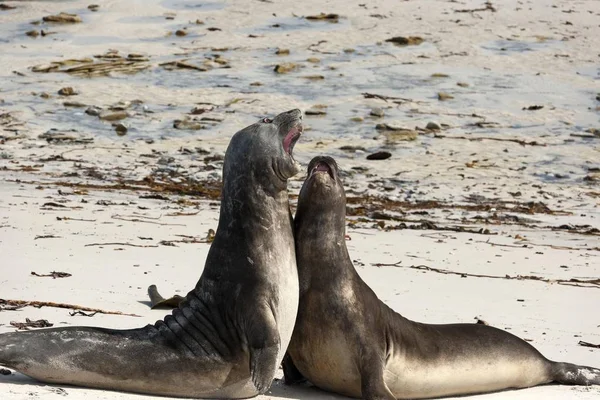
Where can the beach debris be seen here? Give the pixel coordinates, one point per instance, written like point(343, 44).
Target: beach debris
point(181, 32)
point(121, 129)
point(315, 60)
point(62, 18)
point(443, 96)
point(285, 68)
point(282, 52)
point(587, 344)
point(40, 323)
point(6, 7)
point(53, 274)
point(93, 111)
point(111, 62)
point(357, 119)
point(586, 283)
point(462, 84)
point(329, 17)
point(187, 124)
point(481, 321)
point(39, 304)
point(440, 75)
point(433, 126)
point(68, 91)
point(533, 108)
point(476, 139)
point(353, 149)
point(315, 112)
point(182, 64)
point(4, 371)
point(379, 155)
point(32, 33)
point(377, 112)
point(68, 137)
point(405, 40)
point(314, 77)
point(74, 313)
point(93, 7)
point(385, 98)
point(488, 6)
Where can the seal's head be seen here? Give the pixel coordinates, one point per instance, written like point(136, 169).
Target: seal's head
point(263, 151)
point(323, 191)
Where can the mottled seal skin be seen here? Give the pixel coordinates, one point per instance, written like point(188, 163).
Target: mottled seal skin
point(347, 341)
point(229, 335)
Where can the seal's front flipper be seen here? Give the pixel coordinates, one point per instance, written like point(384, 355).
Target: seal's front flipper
point(264, 344)
point(372, 384)
point(291, 375)
point(157, 301)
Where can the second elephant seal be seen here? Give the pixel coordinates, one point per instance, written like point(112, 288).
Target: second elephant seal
point(348, 341)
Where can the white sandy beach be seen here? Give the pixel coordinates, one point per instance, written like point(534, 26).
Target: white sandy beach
point(505, 193)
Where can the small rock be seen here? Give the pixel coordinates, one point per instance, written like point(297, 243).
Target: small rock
point(121, 129)
point(433, 126)
point(353, 149)
point(406, 41)
point(403, 135)
point(377, 112)
point(68, 91)
point(349, 51)
point(93, 111)
point(595, 177)
point(45, 95)
point(4, 371)
point(93, 7)
point(180, 32)
point(316, 60)
point(256, 84)
point(165, 160)
point(32, 33)
point(113, 116)
point(285, 68)
point(314, 77)
point(202, 150)
point(533, 108)
point(315, 112)
point(440, 75)
point(199, 22)
point(282, 52)
point(380, 155)
point(63, 18)
point(357, 119)
point(442, 96)
point(75, 104)
point(462, 84)
point(594, 131)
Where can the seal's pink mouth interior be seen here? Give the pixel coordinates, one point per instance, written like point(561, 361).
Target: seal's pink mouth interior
point(291, 138)
point(320, 168)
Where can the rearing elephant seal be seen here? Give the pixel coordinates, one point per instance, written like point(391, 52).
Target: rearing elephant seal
point(229, 335)
point(347, 341)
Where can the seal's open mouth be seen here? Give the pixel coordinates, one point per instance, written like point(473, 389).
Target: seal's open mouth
point(322, 167)
point(291, 138)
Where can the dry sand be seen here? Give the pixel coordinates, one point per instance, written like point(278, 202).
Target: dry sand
point(499, 191)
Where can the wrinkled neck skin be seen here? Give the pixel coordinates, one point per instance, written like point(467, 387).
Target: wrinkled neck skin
point(319, 231)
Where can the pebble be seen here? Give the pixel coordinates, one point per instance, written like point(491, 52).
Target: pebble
point(187, 124)
point(282, 52)
point(406, 41)
point(444, 96)
point(121, 129)
point(433, 126)
point(180, 32)
point(68, 91)
point(380, 155)
point(285, 68)
point(113, 116)
point(93, 111)
point(357, 119)
point(63, 18)
point(377, 112)
point(93, 7)
point(76, 104)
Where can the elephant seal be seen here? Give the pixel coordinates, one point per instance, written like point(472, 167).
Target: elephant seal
point(348, 341)
point(229, 335)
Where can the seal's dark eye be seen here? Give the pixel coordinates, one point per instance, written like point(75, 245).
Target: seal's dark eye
point(267, 120)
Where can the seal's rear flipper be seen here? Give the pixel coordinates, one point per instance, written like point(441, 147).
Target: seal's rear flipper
point(291, 375)
point(571, 374)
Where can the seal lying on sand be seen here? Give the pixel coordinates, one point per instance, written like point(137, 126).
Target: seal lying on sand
point(229, 335)
point(347, 341)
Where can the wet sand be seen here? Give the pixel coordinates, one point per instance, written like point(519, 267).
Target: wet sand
point(509, 186)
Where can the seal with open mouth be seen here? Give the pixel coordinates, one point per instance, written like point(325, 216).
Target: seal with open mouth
point(347, 341)
point(228, 336)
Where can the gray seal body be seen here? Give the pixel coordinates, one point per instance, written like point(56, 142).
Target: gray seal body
point(349, 342)
point(228, 336)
